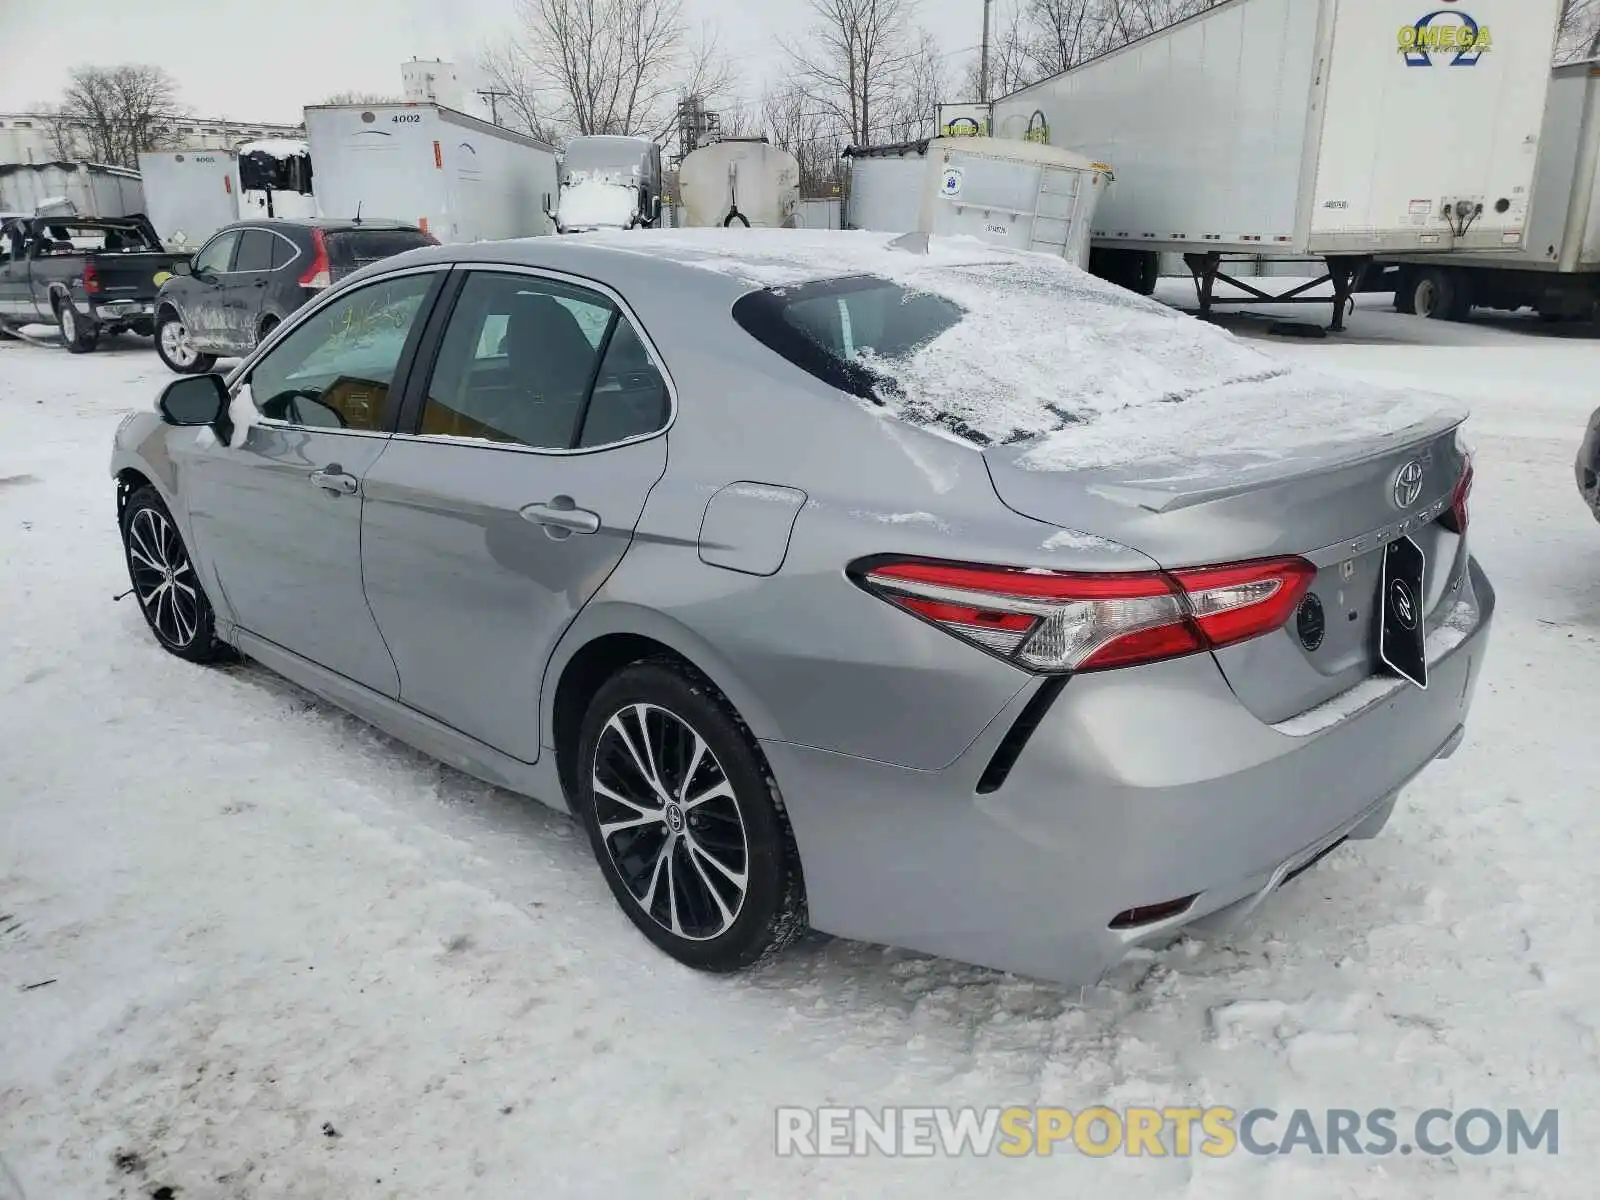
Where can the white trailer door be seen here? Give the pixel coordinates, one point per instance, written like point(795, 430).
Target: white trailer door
point(1431, 102)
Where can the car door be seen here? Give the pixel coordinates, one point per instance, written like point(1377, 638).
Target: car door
point(205, 297)
point(493, 517)
point(245, 286)
point(278, 514)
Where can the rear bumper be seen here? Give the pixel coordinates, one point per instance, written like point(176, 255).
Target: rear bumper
point(1587, 466)
point(1139, 787)
point(122, 312)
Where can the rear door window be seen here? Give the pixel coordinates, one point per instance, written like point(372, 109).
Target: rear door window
point(284, 251)
point(517, 361)
point(255, 251)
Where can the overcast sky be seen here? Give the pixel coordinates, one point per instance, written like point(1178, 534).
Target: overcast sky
point(254, 61)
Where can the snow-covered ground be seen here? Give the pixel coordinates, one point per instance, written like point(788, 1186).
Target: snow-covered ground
point(283, 956)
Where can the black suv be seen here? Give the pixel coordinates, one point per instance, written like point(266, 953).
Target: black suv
point(250, 276)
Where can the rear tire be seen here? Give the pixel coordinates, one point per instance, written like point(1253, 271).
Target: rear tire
point(685, 821)
point(267, 326)
point(1440, 295)
point(174, 605)
point(176, 350)
point(80, 336)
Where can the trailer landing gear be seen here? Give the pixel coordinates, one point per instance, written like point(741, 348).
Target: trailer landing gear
point(1343, 272)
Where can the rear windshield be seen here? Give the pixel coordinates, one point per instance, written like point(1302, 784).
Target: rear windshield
point(837, 330)
point(353, 249)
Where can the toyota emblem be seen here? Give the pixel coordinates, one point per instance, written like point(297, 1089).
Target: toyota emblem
point(1408, 484)
point(1403, 603)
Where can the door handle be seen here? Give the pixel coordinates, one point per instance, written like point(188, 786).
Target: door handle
point(562, 517)
point(333, 479)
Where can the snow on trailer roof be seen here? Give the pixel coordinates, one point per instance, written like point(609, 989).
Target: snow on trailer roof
point(277, 147)
point(1075, 371)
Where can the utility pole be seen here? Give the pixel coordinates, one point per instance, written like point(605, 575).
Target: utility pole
point(983, 65)
point(493, 97)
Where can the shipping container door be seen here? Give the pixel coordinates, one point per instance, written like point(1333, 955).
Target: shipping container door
point(1429, 104)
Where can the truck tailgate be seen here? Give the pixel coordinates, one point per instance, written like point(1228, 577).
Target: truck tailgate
point(136, 276)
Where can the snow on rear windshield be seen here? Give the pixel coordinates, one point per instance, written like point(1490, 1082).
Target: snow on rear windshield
point(998, 348)
point(1001, 348)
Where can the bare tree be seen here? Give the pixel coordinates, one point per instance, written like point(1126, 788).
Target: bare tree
point(361, 98)
point(122, 110)
point(62, 137)
point(604, 66)
point(816, 139)
point(1580, 31)
point(1011, 57)
point(913, 112)
point(854, 60)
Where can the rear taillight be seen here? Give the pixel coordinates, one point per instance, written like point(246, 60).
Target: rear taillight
point(91, 279)
point(1051, 621)
point(1459, 516)
point(319, 274)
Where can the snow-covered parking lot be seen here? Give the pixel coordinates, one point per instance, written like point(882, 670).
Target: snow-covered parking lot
point(250, 948)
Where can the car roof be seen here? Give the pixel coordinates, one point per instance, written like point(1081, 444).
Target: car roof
point(717, 262)
point(326, 224)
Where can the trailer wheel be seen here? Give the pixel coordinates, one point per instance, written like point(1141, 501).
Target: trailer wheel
point(1405, 295)
point(1440, 295)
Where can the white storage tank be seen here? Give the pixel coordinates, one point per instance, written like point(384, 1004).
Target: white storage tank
point(1018, 194)
point(739, 182)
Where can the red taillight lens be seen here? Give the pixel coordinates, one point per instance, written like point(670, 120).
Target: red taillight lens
point(1459, 516)
point(91, 279)
point(320, 273)
point(1051, 621)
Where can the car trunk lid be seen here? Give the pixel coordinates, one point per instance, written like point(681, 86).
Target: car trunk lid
point(1338, 501)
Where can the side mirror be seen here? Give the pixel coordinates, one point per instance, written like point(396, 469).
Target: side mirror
point(182, 267)
point(196, 400)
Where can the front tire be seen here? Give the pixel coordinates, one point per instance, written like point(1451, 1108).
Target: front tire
point(174, 604)
point(80, 336)
point(687, 827)
point(177, 350)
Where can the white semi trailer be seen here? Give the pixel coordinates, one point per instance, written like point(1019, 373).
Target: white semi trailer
point(1557, 271)
point(190, 194)
point(1333, 129)
point(454, 176)
point(1009, 193)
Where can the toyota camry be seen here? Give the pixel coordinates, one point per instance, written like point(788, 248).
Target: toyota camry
point(914, 591)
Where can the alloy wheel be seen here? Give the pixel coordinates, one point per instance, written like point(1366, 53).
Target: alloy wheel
point(670, 822)
point(69, 324)
point(163, 579)
point(175, 342)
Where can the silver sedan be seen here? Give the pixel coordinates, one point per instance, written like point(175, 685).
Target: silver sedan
point(919, 593)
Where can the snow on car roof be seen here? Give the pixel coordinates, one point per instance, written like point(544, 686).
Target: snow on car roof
point(1089, 373)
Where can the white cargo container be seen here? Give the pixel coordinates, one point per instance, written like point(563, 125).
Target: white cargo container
point(739, 181)
point(190, 194)
point(459, 178)
point(94, 190)
point(1338, 129)
point(1017, 194)
point(1557, 271)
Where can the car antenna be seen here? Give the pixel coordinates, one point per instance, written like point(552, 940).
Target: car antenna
point(358, 212)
